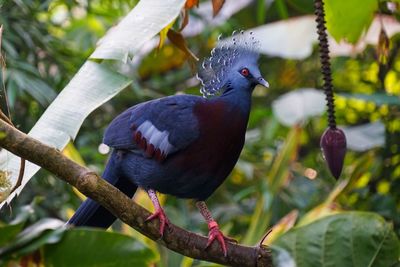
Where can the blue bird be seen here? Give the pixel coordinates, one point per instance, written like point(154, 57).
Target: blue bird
point(183, 145)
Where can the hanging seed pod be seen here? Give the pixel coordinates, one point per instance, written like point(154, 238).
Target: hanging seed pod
point(333, 141)
point(333, 145)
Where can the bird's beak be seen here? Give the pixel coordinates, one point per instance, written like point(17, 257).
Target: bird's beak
point(262, 82)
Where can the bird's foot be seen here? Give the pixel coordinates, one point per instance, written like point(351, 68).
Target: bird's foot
point(160, 214)
point(216, 234)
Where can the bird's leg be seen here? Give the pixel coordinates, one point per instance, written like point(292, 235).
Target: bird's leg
point(159, 212)
point(214, 232)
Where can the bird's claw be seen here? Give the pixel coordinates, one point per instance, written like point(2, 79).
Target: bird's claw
point(216, 234)
point(162, 219)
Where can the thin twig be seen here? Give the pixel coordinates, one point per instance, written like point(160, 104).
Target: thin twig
point(6, 118)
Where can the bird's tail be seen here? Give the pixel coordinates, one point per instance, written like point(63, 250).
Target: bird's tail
point(90, 213)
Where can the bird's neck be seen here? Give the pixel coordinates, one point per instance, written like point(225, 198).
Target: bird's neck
point(238, 98)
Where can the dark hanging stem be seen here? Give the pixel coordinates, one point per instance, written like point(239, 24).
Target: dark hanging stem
point(333, 140)
point(325, 61)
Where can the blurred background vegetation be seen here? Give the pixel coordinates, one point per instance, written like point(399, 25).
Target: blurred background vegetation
point(281, 171)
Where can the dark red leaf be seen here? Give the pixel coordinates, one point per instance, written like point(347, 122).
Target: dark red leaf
point(177, 39)
point(191, 3)
point(217, 5)
point(185, 19)
point(383, 47)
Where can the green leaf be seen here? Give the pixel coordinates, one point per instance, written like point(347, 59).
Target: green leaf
point(8, 232)
point(282, 258)
point(348, 19)
point(356, 239)
point(33, 237)
point(33, 85)
point(261, 11)
point(92, 247)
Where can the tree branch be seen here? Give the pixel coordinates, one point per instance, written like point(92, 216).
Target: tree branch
point(90, 184)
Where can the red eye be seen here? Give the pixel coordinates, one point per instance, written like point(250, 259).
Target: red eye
point(245, 72)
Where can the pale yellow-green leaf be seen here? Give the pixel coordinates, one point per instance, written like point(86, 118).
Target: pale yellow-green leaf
point(72, 153)
point(284, 224)
point(94, 84)
point(163, 34)
point(146, 20)
point(328, 207)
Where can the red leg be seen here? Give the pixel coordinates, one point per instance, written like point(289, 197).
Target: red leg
point(214, 232)
point(158, 213)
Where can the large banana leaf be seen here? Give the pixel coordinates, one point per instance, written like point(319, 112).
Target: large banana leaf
point(353, 239)
point(94, 83)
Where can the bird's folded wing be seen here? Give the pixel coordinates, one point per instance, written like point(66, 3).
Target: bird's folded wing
point(158, 128)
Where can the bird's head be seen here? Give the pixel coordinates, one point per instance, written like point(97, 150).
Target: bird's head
point(232, 66)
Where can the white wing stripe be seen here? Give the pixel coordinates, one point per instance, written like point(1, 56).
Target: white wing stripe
point(150, 131)
point(165, 146)
point(155, 137)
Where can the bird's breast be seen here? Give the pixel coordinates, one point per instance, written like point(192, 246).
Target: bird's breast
point(222, 129)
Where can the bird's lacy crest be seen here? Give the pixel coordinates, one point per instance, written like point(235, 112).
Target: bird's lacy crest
point(242, 46)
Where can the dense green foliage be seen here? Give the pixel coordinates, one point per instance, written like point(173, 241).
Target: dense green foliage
point(281, 171)
point(336, 235)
